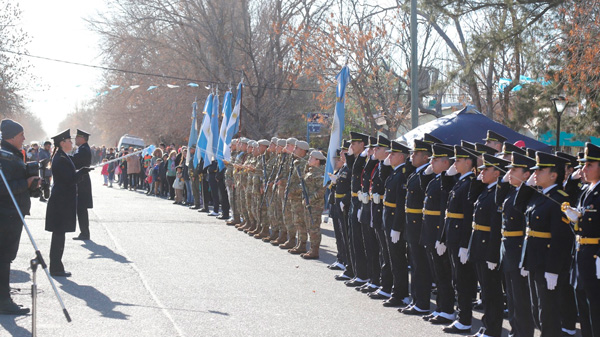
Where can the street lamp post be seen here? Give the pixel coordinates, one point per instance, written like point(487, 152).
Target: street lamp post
point(560, 103)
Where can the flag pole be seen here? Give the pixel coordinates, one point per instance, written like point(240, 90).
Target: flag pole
point(241, 105)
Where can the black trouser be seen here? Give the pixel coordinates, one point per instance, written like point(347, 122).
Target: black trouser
point(548, 303)
point(583, 306)
point(465, 280)
point(357, 247)
point(10, 235)
point(568, 306)
point(206, 193)
point(371, 247)
point(386, 278)
point(492, 297)
point(57, 248)
point(421, 279)
point(224, 197)
point(589, 285)
point(124, 179)
point(518, 299)
point(399, 265)
point(170, 181)
point(344, 224)
point(214, 191)
point(442, 275)
point(84, 220)
point(337, 230)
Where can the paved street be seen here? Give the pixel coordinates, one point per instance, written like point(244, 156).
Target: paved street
point(156, 269)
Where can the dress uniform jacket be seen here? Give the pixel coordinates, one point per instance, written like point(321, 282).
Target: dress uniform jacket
point(342, 187)
point(414, 207)
point(83, 158)
point(378, 186)
point(487, 224)
point(62, 205)
point(368, 173)
point(588, 227)
point(394, 200)
point(434, 206)
point(457, 230)
point(513, 226)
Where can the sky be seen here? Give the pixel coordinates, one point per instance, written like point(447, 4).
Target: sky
point(58, 30)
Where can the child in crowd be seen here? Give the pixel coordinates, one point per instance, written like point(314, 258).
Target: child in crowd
point(156, 178)
point(104, 172)
point(178, 185)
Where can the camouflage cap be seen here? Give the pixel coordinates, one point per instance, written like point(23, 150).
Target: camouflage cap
point(302, 145)
point(318, 154)
point(281, 142)
point(264, 142)
point(291, 141)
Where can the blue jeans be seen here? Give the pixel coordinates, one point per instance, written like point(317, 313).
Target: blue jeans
point(188, 192)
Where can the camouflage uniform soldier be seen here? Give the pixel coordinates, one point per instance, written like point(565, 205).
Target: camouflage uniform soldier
point(260, 175)
point(295, 198)
point(278, 189)
point(239, 160)
point(286, 174)
point(267, 192)
point(250, 166)
point(243, 184)
point(230, 183)
point(313, 180)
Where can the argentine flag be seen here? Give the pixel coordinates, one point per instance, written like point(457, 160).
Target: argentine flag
point(205, 134)
point(337, 128)
point(214, 135)
point(193, 132)
point(226, 113)
point(233, 123)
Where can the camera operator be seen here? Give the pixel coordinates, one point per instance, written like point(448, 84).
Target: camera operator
point(13, 167)
point(45, 156)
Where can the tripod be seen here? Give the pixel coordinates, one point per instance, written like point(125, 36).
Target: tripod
point(35, 262)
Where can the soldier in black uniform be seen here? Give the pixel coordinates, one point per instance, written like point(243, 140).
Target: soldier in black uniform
point(457, 234)
point(518, 296)
point(340, 263)
point(83, 158)
point(586, 218)
point(434, 206)
point(547, 247)
point(421, 279)
point(11, 226)
point(494, 140)
point(342, 183)
point(484, 248)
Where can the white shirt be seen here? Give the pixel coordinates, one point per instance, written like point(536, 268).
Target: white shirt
point(466, 174)
point(545, 190)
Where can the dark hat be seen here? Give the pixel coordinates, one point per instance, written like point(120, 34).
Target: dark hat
point(382, 141)
point(489, 160)
point(345, 144)
point(543, 160)
point(530, 153)
point(358, 137)
point(419, 145)
point(398, 147)
point(467, 145)
point(493, 136)
point(337, 153)
point(521, 160)
point(61, 136)
point(47, 143)
point(510, 148)
point(83, 134)
point(428, 138)
point(372, 141)
point(572, 160)
point(462, 152)
point(591, 153)
point(10, 128)
point(580, 156)
point(482, 148)
point(442, 150)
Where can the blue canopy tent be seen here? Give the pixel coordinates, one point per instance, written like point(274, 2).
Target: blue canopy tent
point(470, 125)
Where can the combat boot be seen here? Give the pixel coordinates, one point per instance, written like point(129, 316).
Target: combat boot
point(271, 237)
point(240, 224)
point(291, 242)
point(281, 239)
point(251, 228)
point(264, 233)
point(299, 249)
point(313, 252)
point(257, 230)
point(244, 225)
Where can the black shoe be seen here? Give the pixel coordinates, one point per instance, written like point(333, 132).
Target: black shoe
point(453, 329)
point(354, 283)
point(440, 320)
point(392, 302)
point(8, 307)
point(342, 277)
point(195, 207)
point(368, 290)
point(204, 210)
point(82, 238)
point(364, 286)
point(377, 296)
point(336, 266)
point(428, 317)
point(61, 274)
point(414, 312)
point(223, 217)
point(42, 199)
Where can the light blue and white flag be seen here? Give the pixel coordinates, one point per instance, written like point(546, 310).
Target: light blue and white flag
point(193, 132)
point(233, 123)
point(337, 128)
point(214, 132)
point(205, 134)
point(226, 113)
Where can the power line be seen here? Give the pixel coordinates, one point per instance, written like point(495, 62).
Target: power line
point(150, 74)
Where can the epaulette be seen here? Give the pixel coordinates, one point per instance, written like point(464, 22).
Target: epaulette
point(403, 170)
point(563, 193)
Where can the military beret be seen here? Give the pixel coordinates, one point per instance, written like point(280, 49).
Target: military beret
point(281, 142)
point(244, 140)
point(291, 141)
point(318, 154)
point(274, 140)
point(264, 142)
point(302, 145)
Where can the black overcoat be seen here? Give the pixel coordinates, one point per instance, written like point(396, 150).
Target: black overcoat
point(62, 206)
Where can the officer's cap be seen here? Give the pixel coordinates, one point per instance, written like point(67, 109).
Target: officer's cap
point(543, 160)
point(571, 159)
point(442, 150)
point(482, 148)
point(382, 141)
point(421, 145)
point(358, 137)
point(489, 160)
point(521, 160)
point(462, 152)
point(467, 145)
point(530, 153)
point(345, 145)
point(398, 147)
point(431, 139)
point(61, 136)
point(83, 134)
point(591, 153)
point(372, 141)
point(510, 148)
point(493, 136)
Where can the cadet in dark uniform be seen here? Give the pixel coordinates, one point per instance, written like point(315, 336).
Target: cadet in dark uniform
point(587, 220)
point(494, 140)
point(421, 279)
point(547, 248)
point(434, 206)
point(484, 248)
point(457, 234)
point(62, 206)
point(340, 263)
point(83, 158)
point(342, 203)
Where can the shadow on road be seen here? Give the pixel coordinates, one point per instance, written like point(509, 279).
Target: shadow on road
point(9, 324)
point(103, 252)
point(93, 298)
point(19, 276)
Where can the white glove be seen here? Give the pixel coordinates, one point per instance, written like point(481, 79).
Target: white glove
point(551, 280)
point(480, 176)
point(358, 213)
point(365, 198)
point(440, 247)
point(365, 152)
point(572, 214)
point(325, 218)
point(452, 171)
point(386, 161)
point(463, 255)
point(598, 267)
point(342, 206)
point(395, 236)
point(376, 198)
point(350, 151)
point(333, 177)
point(428, 170)
point(524, 272)
point(576, 175)
point(530, 181)
point(373, 157)
point(505, 178)
point(491, 265)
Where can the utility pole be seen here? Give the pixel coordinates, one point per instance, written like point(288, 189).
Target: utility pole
point(414, 67)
